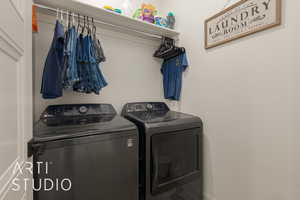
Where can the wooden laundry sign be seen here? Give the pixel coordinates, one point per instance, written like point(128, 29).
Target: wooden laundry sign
point(241, 19)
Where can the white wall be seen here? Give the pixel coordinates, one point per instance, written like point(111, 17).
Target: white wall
point(131, 71)
point(294, 11)
point(16, 98)
point(245, 93)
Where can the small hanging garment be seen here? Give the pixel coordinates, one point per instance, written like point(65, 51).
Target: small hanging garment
point(99, 53)
point(97, 47)
point(70, 74)
point(52, 75)
point(96, 78)
point(172, 70)
point(98, 56)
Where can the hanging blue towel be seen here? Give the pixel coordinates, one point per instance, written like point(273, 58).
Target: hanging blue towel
point(172, 70)
point(52, 75)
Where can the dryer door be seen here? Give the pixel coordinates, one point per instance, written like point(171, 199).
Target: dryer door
point(175, 159)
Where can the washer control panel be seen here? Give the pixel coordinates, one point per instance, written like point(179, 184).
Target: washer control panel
point(73, 110)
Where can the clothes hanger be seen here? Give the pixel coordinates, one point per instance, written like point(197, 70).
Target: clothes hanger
point(73, 19)
point(61, 17)
point(88, 26)
point(79, 23)
point(168, 49)
point(94, 30)
point(70, 21)
point(178, 51)
point(57, 14)
point(168, 45)
point(67, 20)
point(84, 25)
point(161, 47)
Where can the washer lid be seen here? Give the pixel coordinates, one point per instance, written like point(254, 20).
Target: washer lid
point(70, 121)
point(44, 132)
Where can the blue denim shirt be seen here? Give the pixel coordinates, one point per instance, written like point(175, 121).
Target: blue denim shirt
point(52, 75)
point(172, 70)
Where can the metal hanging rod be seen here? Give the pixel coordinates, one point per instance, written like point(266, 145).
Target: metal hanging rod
point(66, 11)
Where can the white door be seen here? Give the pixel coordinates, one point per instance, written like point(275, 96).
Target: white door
point(15, 94)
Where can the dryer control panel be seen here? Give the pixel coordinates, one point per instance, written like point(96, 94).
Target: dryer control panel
point(145, 107)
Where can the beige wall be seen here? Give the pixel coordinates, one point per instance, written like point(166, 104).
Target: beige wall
point(245, 93)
